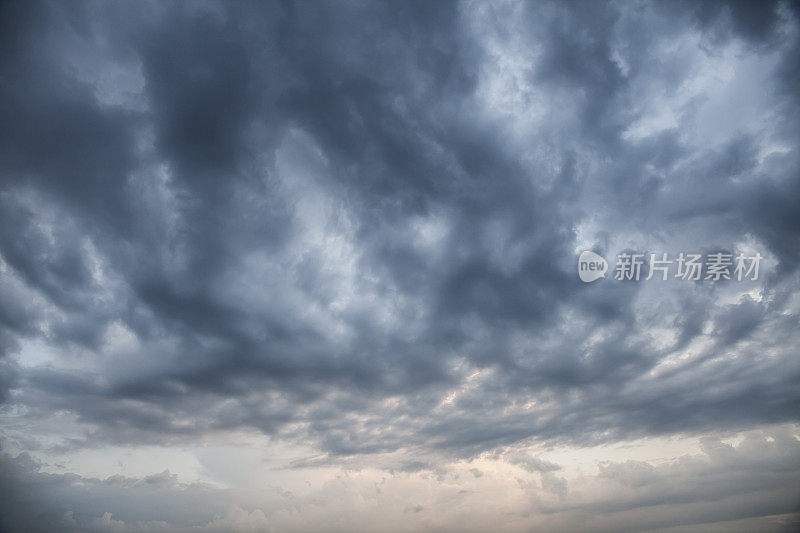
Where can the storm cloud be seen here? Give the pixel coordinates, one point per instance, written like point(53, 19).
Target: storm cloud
point(351, 230)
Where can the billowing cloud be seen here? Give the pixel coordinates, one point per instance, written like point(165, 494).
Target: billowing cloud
point(351, 229)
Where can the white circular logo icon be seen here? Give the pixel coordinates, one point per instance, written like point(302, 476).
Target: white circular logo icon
point(591, 266)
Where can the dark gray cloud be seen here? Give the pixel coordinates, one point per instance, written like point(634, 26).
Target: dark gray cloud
point(355, 225)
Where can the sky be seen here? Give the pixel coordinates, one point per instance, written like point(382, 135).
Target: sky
point(313, 266)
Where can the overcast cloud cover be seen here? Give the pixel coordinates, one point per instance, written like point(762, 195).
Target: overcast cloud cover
point(311, 266)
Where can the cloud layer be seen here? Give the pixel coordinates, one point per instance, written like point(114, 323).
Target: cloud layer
point(353, 228)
